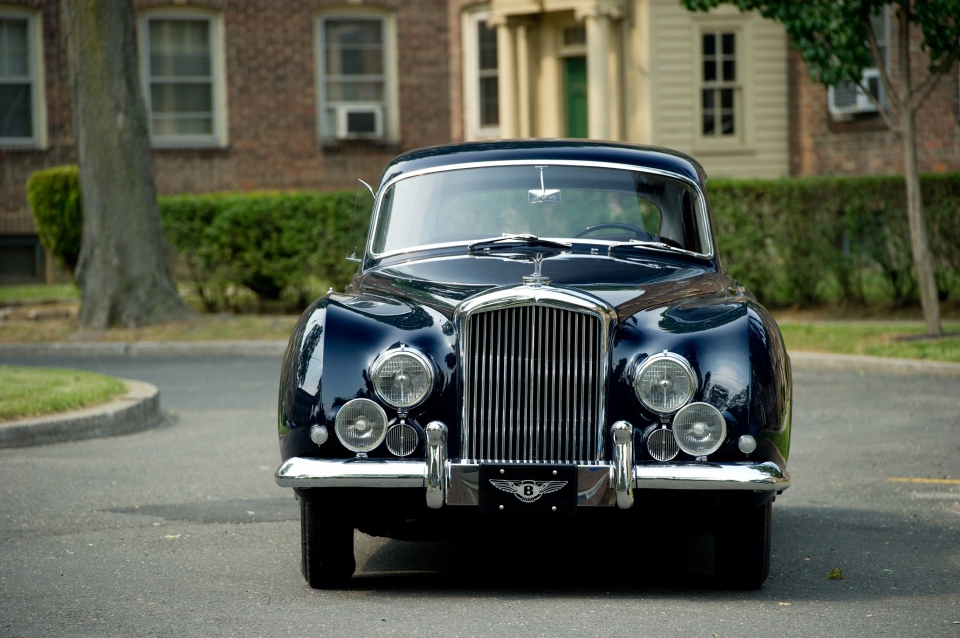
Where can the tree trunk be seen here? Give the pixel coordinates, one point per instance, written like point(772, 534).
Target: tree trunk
point(919, 243)
point(122, 272)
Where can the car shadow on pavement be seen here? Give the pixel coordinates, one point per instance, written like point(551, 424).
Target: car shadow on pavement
point(878, 555)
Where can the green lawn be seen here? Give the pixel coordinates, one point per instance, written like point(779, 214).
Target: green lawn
point(38, 291)
point(30, 392)
point(876, 338)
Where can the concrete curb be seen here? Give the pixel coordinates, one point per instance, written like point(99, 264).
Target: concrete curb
point(274, 348)
point(863, 363)
point(138, 409)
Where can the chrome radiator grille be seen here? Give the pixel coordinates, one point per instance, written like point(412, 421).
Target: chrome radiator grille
point(533, 379)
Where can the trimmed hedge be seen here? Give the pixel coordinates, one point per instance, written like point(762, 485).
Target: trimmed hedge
point(54, 196)
point(791, 241)
point(270, 243)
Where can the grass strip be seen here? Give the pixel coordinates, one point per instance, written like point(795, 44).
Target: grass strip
point(876, 338)
point(31, 392)
point(38, 292)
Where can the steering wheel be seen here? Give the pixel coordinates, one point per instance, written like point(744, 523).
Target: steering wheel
point(638, 233)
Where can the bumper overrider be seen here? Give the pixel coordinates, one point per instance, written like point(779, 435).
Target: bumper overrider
point(448, 482)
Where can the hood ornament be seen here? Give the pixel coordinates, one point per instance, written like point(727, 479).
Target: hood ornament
point(536, 279)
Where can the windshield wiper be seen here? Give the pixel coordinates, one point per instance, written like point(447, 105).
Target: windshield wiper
point(639, 243)
point(513, 241)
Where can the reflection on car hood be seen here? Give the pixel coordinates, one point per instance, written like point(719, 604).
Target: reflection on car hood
point(628, 285)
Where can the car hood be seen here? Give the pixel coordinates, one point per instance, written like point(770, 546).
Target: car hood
point(629, 285)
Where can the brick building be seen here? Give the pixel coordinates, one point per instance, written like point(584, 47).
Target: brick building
point(312, 94)
point(241, 95)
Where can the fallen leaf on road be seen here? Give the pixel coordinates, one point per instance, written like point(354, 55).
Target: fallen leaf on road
point(835, 574)
point(173, 536)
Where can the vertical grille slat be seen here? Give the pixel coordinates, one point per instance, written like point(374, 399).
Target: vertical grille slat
point(532, 378)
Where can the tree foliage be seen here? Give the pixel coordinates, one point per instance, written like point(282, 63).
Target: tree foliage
point(833, 36)
point(836, 38)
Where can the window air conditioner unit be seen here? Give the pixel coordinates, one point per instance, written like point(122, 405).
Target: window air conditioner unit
point(359, 121)
point(849, 99)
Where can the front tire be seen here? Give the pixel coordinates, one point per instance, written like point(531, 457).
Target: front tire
point(327, 560)
point(742, 548)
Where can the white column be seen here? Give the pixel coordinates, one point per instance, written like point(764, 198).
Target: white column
point(598, 107)
point(507, 81)
point(548, 114)
point(523, 81)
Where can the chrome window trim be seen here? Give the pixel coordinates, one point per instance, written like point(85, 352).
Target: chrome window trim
point(548, 297)
point(701, 199)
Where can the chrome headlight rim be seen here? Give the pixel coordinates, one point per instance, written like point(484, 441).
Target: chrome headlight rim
point(386, 357)
point(339, 425)
point(645, 364)
point(720, 440)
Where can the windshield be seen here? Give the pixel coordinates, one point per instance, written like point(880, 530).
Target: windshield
point(588, 204)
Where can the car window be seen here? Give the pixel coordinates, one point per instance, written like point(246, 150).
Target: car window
point(596, 204)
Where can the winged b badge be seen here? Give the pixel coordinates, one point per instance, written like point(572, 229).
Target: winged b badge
point(528, 491)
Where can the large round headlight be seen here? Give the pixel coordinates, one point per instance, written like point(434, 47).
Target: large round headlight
point(361, 425)
point(699, 429)
point(402, 378)
point(665, 382)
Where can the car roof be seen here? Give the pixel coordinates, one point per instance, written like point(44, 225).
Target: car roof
point(545, 150)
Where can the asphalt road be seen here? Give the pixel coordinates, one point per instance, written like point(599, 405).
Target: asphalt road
point(181, 531)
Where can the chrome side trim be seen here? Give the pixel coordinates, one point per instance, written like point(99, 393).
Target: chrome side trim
point(757, 477)
point(593, 485)
point(701, 198)
point(434, 479)
point(622, 435)
point(306, 472)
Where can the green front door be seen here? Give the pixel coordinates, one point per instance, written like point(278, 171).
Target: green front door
point(575, 96)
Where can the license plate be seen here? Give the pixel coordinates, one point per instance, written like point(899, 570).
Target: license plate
point(528, 489)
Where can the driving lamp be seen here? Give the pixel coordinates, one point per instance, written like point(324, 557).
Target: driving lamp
point(361, 425)
point(699, 429)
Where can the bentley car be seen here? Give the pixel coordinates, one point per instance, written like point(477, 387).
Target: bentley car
point(539, 333)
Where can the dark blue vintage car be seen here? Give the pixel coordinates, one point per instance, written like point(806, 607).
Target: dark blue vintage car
point(538, 331)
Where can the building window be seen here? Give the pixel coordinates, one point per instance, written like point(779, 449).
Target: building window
point(847, 99)
point(487, 75)
point(357, 98)
point(481, 92)
point(21, 80)
point(719, 92)
point(181, 76)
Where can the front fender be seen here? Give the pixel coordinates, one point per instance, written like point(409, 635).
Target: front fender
point(737, 353)
point(329, 356)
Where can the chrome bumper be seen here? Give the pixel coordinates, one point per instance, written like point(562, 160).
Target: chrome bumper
point(459, 483)
point(446, 482)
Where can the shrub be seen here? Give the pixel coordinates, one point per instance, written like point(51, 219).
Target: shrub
point(267, 242)
point(792, 241)
point(54, 197)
